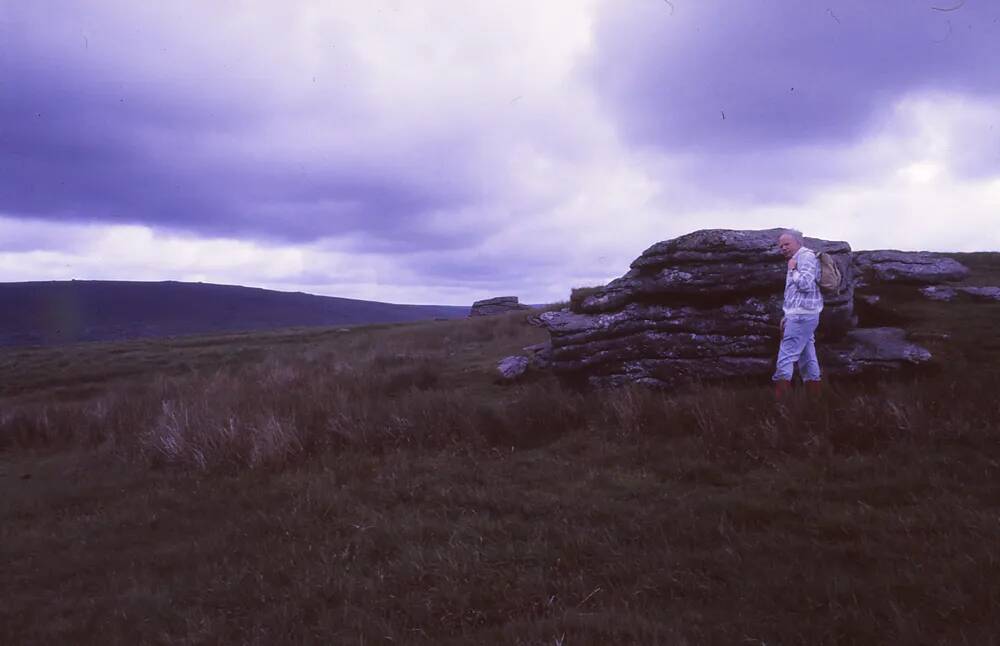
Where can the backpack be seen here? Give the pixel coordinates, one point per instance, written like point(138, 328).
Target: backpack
point(829, 277)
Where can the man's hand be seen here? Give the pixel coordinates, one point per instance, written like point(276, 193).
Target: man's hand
point(792, 264)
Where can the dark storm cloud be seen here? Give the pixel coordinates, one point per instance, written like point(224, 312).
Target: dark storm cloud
point(751, 77)
point(108, 123)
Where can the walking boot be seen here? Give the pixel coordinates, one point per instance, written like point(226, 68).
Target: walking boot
point(814, 388)
point(781, 388)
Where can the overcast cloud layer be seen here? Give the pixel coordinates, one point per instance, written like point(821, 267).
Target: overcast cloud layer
point(412, 152)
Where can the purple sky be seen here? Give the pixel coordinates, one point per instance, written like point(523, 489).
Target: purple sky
point(409, 152)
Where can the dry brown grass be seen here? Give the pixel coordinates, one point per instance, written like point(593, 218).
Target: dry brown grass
point(377, 486)
point(282, 409)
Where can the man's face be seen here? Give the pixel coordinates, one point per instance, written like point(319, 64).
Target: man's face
point(788, 245)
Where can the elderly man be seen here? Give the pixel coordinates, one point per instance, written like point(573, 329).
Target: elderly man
point(802, 306)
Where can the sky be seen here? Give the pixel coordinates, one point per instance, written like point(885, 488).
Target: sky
point(438, 152)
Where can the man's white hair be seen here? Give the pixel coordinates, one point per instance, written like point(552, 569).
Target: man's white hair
point(795, 233)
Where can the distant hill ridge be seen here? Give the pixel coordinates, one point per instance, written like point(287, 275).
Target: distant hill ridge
point(56, 312)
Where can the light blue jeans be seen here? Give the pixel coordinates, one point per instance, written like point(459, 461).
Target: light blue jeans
point(798, 345)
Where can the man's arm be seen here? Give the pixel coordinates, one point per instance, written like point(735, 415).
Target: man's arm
point(805, 271)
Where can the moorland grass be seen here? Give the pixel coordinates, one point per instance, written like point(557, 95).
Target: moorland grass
point(378, 486)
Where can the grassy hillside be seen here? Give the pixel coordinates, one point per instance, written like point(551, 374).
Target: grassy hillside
point(39, 313)
point(377, 486)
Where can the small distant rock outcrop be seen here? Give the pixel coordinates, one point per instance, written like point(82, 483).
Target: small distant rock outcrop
point(498, 305)
point(707, 306)
point(906, 267)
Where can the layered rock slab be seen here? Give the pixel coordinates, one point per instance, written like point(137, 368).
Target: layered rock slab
point(497, 305)
point(719, 266)
point(939, 293)
point(906, 267)
point(708, 306)
point(982, 293)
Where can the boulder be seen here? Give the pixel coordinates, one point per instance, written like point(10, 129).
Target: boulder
point(906, 267)
point(707, 306)
point(498, 305)
point(866, 350)
point(512, 368)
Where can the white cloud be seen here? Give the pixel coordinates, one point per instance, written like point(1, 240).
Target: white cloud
point(571, 221)
point(487, 96)
point(916, 194)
